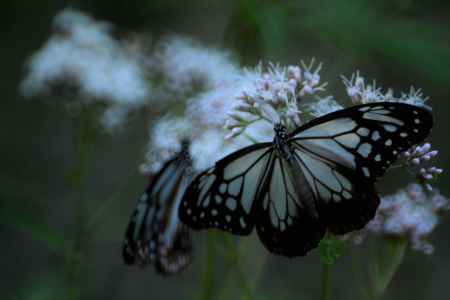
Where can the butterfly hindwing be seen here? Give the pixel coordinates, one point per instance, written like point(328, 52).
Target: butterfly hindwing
point(282, 221)
point(155, 235)
point(222, 196)
point(345, 200)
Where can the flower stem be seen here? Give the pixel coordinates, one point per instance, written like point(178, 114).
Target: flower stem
point(326, 282)
point(84, 139)
point(208, 276)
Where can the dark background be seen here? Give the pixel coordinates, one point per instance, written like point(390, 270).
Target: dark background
point(47, 254)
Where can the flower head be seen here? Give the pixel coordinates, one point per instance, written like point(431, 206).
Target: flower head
point(418, 160)
point(82, 54)
point(412, 213)
point(186, 66)
point(361, 92)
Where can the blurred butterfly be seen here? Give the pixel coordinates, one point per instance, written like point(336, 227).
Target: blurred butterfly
point(319, 177)
point(155, 235)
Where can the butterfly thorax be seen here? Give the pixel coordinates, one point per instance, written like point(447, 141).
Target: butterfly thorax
point(280, 141)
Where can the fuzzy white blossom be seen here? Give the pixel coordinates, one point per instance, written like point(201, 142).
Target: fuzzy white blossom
point(275, 96)
point(186, 65)
point(82, 53)
point(361, 92)
point(323, 106)
point(166, 137)
point(412, 213)
point(211, 108)
point(206, 148)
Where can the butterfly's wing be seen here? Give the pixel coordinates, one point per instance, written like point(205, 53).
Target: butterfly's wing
point(174, 240)
point(154, 233)
point(253, 186)
point(283, 222)
point(342, 154)
point(223, 196)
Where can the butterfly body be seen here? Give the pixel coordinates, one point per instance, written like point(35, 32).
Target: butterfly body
point(286, 152)
point(319, 177)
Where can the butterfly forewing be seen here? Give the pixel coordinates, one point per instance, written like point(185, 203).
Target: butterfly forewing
point(155, 234)
point(222, 197)
point(344, 152)
point(366, 138)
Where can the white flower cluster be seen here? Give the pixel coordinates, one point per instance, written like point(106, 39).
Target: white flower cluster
point(187, 66)
point(166, 137)
point(417, 160)
point(82, 53)
point(360, 92)
point(214, 81)
point(276, 96)
point(413, 213)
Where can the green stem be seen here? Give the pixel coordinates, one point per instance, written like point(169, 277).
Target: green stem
point(326, 282)
point(208, 276)
point(84, 140)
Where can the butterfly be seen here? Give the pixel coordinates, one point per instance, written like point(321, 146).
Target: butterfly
point(154, 234)
point(318, 178)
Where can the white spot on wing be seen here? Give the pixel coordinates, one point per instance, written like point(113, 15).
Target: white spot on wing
point(363, 131)
point(242, 221)
point(347, 195)
point(366, 171)
point(336, 198)
point(390, 128)
point(382, 118)
point(223, 188)
point(231, 203)
point(375, 136)
point(365, 149)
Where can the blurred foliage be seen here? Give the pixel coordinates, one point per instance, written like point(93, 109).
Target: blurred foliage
point(29, 222)
point(43, 288)
point(330, 249)
point(385, 261)
point(364, 27)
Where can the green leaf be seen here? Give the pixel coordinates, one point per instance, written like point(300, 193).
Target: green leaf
point(386, 261)
point(330, 249)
